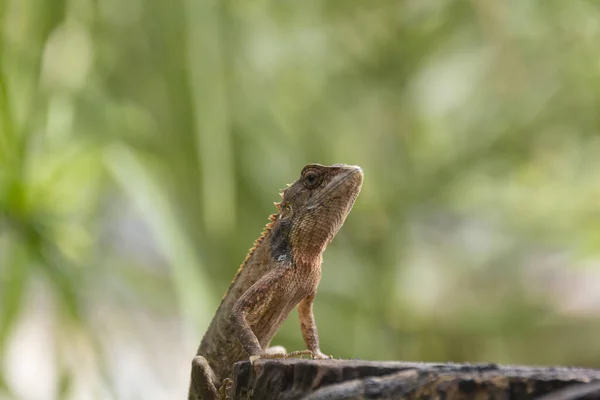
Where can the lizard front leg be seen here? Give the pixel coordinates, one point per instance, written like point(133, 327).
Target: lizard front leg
point(260, 299)
point(203, 381)
point(309, 327)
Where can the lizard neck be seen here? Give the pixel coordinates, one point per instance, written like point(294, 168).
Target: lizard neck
point(288, 242)
point(308, 260)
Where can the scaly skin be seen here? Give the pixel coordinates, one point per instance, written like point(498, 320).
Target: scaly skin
point(281, 271)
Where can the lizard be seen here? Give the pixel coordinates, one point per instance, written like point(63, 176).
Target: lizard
point(281, 271)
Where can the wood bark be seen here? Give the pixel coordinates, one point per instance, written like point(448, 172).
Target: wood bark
point(292, 379)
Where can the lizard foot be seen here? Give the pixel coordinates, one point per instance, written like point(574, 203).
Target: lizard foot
point(300, 353)
point(294, 354)
point(266, 356)
point(320, 356)
point(315, 355)
point(271, 352)
point(225, 389)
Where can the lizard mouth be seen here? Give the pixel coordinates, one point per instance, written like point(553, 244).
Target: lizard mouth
point(353, 173)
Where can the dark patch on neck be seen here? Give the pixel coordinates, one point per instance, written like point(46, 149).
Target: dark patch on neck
point(281, 248)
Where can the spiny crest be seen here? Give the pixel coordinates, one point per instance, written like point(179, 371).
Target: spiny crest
point(282, 193)
point(266, 229)
point(257, 242)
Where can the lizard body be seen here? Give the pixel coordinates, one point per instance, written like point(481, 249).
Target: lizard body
point(281, 271)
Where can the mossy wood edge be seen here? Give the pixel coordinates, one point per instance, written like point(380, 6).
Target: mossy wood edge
point(355, 379)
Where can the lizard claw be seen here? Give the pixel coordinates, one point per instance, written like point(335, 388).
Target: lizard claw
point(254, 358)
point(300, 353)
point(320, 356)
point(225, 389)
point(266, 356)
point(316, 355)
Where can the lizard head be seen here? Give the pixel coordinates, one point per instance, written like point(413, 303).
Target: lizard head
point(313, 209)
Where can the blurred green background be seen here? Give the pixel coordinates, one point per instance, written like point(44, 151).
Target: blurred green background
point(143, 142)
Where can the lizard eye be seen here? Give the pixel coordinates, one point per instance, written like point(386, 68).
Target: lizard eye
point(311, 180)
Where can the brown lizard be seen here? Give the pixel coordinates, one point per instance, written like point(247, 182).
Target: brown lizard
point(281, 271)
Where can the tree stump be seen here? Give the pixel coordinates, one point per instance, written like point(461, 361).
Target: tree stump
point(345, 379)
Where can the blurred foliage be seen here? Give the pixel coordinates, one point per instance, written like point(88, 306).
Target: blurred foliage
point(143, 142)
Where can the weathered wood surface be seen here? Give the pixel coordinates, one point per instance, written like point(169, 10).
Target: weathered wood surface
point(344, 379)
